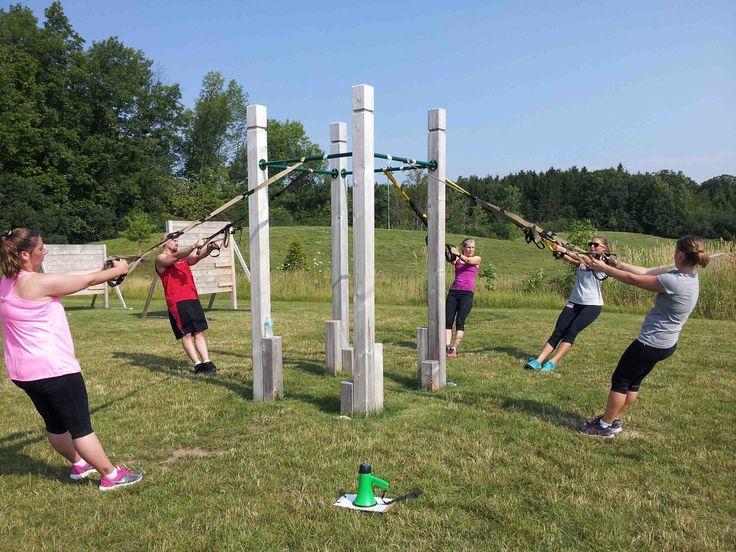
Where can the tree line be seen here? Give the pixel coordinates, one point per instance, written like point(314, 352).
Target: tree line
point(94, 142)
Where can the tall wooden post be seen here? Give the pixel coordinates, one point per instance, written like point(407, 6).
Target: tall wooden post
point(338, 334)
point(366, 398)
point(260, 277)
point(436, 151)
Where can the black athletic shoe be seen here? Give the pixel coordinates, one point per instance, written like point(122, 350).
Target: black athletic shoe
point(616, 426)
point(205, 368)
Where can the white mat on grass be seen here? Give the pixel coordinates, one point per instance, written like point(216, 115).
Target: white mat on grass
point(382, 506)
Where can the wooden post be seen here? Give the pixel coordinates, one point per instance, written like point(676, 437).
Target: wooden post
point(106, 298)
point(234, 294)
point(346, 398)
point(332, 341)
point(260, 284)
point(151, 289)
point(436, 147)
point(364, 368)
point(273, 378)
point(430, 375)
point(422, 352)
point(339, 223)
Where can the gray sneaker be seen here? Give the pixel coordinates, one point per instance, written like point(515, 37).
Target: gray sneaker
point(122, 479)
point(616, 426)
point(596, 430)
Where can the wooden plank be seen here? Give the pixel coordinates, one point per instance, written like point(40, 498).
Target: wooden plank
point(347, 359)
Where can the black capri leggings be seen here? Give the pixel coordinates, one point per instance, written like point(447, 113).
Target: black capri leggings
point(62, 403)
point(573, 319)
point(634, 365)
point(457, 308)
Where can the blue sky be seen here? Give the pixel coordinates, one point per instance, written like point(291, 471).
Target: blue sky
point(526, 84)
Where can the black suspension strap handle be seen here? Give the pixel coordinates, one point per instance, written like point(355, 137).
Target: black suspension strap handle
point(120, 279)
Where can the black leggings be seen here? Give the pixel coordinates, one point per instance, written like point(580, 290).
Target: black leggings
point(457, 308)
point(634, 365)
point(62, 403)
point(573, 319)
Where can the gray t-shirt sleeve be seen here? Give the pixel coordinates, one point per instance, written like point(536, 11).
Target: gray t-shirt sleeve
point(669, 282)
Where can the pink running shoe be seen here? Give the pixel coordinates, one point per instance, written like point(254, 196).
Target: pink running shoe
point(80, 472)
point(124, 478)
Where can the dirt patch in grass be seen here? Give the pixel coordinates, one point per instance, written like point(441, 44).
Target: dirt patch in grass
point(194, 452)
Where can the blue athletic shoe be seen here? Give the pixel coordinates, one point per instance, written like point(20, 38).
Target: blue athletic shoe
point(533, 364)
point(548, 366)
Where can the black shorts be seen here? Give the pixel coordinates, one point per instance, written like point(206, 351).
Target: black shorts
point(62, 403)
point(635, 364)
point(457, 308)
point(187, 317)
point(573, 319)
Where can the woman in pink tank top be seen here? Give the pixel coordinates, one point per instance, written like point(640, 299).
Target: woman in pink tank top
point(460, 297)
point(39, 352)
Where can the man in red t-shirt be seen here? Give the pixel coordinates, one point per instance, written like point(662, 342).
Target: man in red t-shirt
point(182, 300)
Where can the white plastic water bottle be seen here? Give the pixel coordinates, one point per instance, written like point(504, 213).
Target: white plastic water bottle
point(268, 327)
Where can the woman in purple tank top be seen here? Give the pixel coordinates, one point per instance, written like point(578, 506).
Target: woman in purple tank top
point(460, 297)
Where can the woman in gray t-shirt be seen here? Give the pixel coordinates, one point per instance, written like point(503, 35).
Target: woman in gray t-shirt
point(582, 308)
point(677, 294)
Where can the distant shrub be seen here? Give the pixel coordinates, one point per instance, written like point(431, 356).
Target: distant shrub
point(295, 258)
point(534, 281)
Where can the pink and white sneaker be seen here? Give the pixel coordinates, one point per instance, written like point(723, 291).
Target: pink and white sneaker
point(124, 478)
point(80, 472)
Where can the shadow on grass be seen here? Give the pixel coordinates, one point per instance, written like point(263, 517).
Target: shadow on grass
point(511, 351)
point(329, 404)
point(543, 411)
point(307, 366)
point(405, 380)
point(173, 368)
point(13, 461)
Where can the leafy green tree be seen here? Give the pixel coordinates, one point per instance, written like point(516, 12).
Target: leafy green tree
point(138, 228)
point(217, 132)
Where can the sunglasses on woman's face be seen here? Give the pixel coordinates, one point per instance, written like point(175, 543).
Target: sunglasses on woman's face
point(595, 244)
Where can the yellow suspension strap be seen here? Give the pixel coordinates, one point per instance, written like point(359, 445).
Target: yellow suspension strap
point(543, 239)
point(136, 260)
point(422, 216)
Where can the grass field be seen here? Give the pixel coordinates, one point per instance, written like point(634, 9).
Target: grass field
point(497, 457)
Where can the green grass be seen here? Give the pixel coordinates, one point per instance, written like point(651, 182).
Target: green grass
point(497, 458)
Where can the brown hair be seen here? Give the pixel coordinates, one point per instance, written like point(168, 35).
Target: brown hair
point(694, 249)
point(13, 243)
point(603, 240)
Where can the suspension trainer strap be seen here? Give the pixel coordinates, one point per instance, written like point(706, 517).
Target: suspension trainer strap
point(417, 211)
point(240, 197)
point(533, 233)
